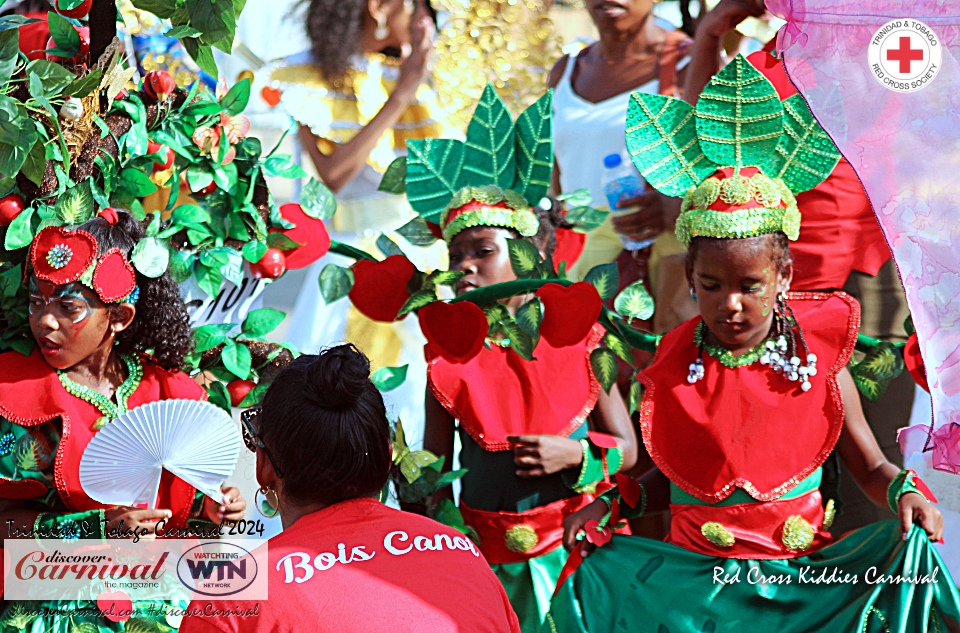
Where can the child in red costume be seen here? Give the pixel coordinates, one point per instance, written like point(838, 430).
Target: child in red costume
point(93, 318)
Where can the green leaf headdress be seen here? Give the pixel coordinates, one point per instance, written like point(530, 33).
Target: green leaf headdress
point(738, 159)
point(491, 179)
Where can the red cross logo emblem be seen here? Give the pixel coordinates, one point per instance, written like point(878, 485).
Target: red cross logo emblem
point(905, 55)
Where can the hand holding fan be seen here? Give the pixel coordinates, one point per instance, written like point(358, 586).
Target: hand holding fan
point(194, 440)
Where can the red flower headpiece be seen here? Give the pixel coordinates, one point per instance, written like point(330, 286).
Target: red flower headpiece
point(62, 256)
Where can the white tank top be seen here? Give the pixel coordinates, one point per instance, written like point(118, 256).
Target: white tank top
point(584, 133)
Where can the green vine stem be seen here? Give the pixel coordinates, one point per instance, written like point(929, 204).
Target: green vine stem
point(866, 343)
point(349, 251)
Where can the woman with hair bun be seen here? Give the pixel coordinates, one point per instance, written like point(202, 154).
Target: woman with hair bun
point(108, 340)
point(345, 562)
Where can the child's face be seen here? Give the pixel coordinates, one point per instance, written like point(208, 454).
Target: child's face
point(68, 322)
point(482, 253)
point(737, 282)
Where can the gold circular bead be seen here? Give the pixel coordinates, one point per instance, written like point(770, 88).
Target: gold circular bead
point(521, 538)
point(798, 533)
point(717, 534)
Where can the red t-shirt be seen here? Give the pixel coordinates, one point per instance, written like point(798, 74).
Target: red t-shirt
point(405, 573)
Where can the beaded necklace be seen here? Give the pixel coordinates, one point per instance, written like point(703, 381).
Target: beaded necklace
point(724, 355)
point(106, 406)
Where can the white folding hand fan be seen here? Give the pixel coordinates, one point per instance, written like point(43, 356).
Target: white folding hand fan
point(194, 440)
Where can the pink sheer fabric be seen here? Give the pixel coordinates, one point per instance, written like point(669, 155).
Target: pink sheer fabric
point(906, 150)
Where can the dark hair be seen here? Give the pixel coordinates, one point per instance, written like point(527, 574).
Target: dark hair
point(778, 243)
point(550, 219)
point(161, 326)
point(325, 425)
point(334, 28)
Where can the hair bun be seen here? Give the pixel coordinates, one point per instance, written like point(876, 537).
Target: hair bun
point(338, 377)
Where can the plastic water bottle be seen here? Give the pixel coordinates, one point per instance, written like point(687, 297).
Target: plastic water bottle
point(620, 182)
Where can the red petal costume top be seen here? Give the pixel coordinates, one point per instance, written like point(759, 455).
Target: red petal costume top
point(839, 232)
point(497, 394)
point(32, 394)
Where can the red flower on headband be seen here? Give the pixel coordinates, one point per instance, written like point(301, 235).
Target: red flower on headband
point(61, 256)
point(114, 277)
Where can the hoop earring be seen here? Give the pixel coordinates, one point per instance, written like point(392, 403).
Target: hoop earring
point(382, 30)
point(266, 499)
point(693, 294)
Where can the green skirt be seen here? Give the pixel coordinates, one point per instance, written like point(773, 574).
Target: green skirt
point(870, 580)
point(529, 586)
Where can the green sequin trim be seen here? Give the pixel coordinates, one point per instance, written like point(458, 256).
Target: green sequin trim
point(723, 355)
point(106, 406)
point(829, 514)
point(717, 534)
point(523, 222)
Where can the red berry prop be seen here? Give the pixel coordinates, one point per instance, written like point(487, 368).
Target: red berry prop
point(206, 191)
point(84, 33)
point(271, 265)
point(77, 12)
point(157, 148)
point(238, 390)
point(159, 85)
point(10, 208)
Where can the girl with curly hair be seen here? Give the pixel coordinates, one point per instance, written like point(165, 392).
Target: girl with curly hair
point(108, 340)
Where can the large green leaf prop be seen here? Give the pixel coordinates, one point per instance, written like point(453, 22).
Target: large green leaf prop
point(533, 133)
point(805, 155)
point(433, 175)
point(662, 141)
point(489, 148)
point(739, 117)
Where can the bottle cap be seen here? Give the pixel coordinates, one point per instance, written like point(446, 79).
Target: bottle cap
point(612, 160)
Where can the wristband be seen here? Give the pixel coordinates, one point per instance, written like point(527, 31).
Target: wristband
point(598, 464)
point(70, 527)
point(626, 511)
point(907, 481)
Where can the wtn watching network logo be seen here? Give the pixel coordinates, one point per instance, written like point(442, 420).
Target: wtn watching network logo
point(217, 569)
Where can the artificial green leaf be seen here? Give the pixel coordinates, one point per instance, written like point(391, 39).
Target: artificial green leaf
point(524, 257)
point(35, 164)
point(206, 337)
point(881, 364)
point(236, 358)
point(225, 176)
point(9, 53)
point(163, 9)
point(394, 179)
point(7, 185)
point(417, 233)
point(76, 205)
point(417, 300)
point(190, 215)
point(534, 149)
point(52, 76)
point(335, 282)
point(388, 378)
point(19, 233)
point(446, 277)
point(199, 177)
point(619, 347)
point(17, 139)
point(387, 246)
point(661, 137)
point(635, 395)
point(739, 117)
point(634, 302)
point(281, 242)
point(433, 175)
point(255, 397)
point(317, 201)
point(151, 257)
point(83, 86)
point(261, 322)
point(605, 278)
point(529, 317)
point(202, 55)
point(209, 279)
point(281, 167)
point(136, 182)
point(908, 326)
point(520, 342)
point(179, 32)
point(63, 33)
point(488, 154)
point(587, 218)
point(181, 265)
point(13, 22)
point(254, 250)
point(868, 386)
point(153, 228)
point(215, 19)
point(805, 155)
point(578, 198)
point(217, 394)
point(236, 99)
point(604, 364)
point(449, 477)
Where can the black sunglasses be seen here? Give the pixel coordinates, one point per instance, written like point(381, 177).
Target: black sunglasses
point(251, 438)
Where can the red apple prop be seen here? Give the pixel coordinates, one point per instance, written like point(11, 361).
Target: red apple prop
point(271, 265)
point(10, 207)
point(238, 390)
